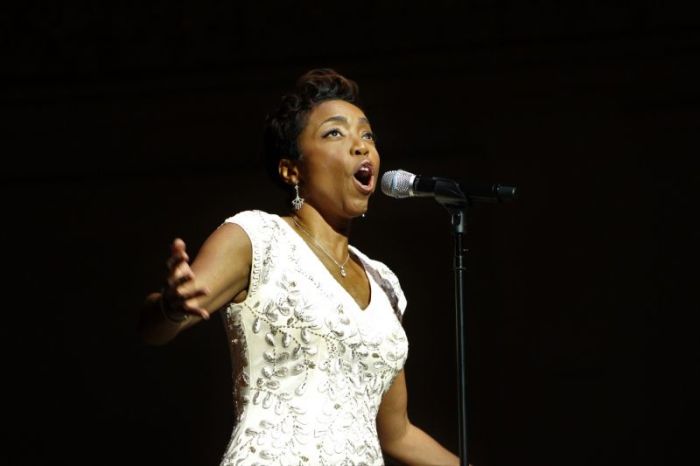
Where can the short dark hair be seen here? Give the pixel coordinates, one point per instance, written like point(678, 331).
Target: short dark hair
point(286, 122)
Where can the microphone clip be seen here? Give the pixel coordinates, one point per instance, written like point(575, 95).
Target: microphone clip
point(448, 194)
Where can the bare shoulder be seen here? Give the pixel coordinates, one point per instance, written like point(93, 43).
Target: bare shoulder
point(229, 236)
point(228, 244)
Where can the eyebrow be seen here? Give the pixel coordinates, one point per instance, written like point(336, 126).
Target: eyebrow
point(342, 119)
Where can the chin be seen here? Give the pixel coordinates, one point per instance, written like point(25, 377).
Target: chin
point(356, 206)
point(359, 211)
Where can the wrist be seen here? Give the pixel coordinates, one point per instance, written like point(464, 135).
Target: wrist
point(170, 314)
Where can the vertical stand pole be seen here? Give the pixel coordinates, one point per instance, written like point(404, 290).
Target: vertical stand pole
point(459, 226)
point(448, 194)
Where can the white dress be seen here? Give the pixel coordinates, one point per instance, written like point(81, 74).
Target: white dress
point(310, 366)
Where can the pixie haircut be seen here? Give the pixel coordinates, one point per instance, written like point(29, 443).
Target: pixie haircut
point(285, 123)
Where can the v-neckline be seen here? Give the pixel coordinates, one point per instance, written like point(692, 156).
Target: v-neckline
point(328, 272)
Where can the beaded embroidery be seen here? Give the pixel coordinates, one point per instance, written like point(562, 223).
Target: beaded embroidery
point(310, 367)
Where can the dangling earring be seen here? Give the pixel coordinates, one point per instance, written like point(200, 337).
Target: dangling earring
point(298, 201)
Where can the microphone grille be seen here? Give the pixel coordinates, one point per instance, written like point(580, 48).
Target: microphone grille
point(398, 183)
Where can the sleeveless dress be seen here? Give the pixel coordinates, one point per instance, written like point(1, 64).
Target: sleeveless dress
point(310, 366)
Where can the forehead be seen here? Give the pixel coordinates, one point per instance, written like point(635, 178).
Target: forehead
point(333, 108)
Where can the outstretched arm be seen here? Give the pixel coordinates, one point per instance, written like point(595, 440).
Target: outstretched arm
point(402, 440)
point(219, 274)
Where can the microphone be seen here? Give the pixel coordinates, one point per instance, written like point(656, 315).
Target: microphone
point(401, 184)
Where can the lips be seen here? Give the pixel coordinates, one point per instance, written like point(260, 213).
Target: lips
point(364, 177)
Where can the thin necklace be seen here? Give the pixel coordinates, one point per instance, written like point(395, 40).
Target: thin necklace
point(343, 273)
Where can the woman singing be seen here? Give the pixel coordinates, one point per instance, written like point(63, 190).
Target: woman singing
point(314, 325)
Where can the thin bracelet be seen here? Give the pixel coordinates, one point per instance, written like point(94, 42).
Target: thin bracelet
point(167, 312)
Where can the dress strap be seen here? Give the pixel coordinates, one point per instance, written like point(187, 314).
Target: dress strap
point(387, 281)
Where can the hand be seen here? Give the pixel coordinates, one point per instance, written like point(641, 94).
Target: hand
point(181, 292)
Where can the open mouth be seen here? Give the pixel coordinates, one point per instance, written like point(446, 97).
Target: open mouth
point(364, 175)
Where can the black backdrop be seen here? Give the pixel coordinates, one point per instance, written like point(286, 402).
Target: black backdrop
point(127, 125)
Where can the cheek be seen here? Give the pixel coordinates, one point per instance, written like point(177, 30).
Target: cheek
point(376, 158)
point(325, 169)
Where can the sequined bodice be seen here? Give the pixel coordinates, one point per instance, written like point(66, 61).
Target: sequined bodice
point(310, 367)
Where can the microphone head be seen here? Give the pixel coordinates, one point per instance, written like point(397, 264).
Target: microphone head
point(398, 183)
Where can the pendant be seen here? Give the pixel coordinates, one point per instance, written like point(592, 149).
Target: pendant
point(342, 272)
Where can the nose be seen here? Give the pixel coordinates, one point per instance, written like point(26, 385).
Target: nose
point(359, 147)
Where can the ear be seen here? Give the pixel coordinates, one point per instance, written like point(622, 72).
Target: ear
point(289, 171)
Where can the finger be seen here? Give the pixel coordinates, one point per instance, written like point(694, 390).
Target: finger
point(185, 292)
point(192, 308)
point(177, 249)
point(177, 282)
point(176, 259)
point(183, 269)
point(187, 305)
point(187, 288)
point(182, 275)
point(178, 245)
point(180, 272)
point(191, 294)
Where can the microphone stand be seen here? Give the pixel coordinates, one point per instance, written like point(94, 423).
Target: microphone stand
point(449, 195)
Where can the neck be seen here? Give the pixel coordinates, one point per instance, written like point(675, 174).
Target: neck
point(331, 232)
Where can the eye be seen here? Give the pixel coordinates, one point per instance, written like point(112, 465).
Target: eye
point(334, 132)
point(368, 135)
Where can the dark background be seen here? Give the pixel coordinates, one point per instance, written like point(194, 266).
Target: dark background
point(129, 124)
